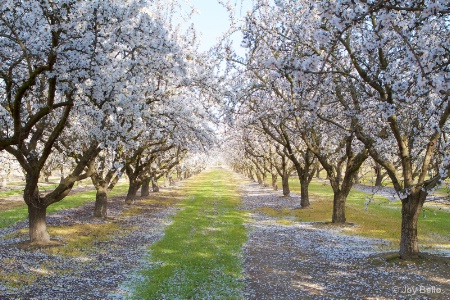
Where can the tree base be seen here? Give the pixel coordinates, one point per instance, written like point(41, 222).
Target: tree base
point(29, 245)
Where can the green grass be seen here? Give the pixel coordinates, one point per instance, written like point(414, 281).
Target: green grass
point(19, 191)
point(11, 193)
point(20, 213)
point(199, 256)
point(382, 219)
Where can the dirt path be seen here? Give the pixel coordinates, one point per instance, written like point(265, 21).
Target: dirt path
point(293, 260)
point(97, 274)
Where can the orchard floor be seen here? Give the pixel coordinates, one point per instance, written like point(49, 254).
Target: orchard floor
point(88, 270)
point(285, 259)
point(282, 258)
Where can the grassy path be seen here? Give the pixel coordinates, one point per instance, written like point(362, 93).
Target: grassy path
point(200, 254)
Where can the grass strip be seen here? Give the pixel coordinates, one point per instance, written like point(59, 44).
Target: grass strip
point(20, 213)
point(19, 191)
point(382, 219)
point(199, 256)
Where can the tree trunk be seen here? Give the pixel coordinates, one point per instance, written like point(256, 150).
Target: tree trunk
point(357, 177)
point(179, 174)
point(258, 176)
point(37, 211)
point(250, 175)
point(264, 179)
point(339, 207)
point(132, 192)
point(285, 184)
point(274, 182)
point(155, 186)
point(145, 189)
point(101, 203)
point(37, 216)
point(62, 173)
point(379, 175)
point(304, 185)
point(411, 208)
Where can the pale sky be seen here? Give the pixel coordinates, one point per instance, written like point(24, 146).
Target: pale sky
point(213, 19)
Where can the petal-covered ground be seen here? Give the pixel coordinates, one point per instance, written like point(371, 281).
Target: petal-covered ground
point(282, 258)
point(285, 259)
point(95, 273)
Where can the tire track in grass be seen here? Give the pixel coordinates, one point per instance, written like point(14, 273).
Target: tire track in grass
point(200, 254)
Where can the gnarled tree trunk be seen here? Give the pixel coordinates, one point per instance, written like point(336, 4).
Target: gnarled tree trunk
point(259, 178)
point(411, 208)
point(132, 191)
point(155, 186)
point(339, 200)
point(285, 184)
point(145, 189)
point(264, 179)
point(378, 175)
point(274, 181)
point(101, 202)
point(38, 223)
point(304, 185)
point(37, 210)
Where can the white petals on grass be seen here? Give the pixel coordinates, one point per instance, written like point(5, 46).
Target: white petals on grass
point(94, 275)
point(316, 261)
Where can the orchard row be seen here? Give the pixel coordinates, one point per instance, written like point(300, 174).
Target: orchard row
point(336, 84)
point(102, 88)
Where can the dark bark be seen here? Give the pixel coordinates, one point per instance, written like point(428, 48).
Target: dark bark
point(132, 191)
point(103, 185)
point(318, 169)
point(264, 179)
point(305, 172)
point(101, 203)
point(62, 173)
point(341, 185)
point(155, 186)
point(339, 200)
point(274, 181)
point(145, 189)
point(379, 175)
point(285, 184)
point(38, 224)
point(259, 178)
point(304, 185)
point(250, 175)
point(357, 178)
point(37, 210)
point(411, 208)
point(179, 174)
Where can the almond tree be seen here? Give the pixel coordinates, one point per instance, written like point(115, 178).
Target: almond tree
point(78, 40)
point(36, 38)
point(397, 89)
